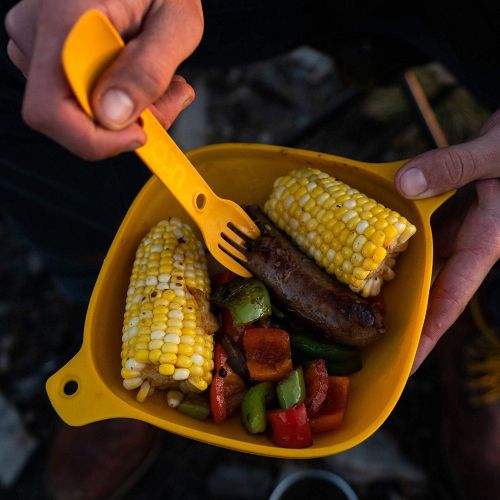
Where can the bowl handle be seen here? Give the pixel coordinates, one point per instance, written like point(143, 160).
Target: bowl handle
point(79, 396)
point(425, 206)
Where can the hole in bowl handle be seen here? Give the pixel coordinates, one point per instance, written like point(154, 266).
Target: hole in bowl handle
point(80, 397)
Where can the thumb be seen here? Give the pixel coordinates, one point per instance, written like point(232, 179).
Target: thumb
point(143, 71)
point(441, 170)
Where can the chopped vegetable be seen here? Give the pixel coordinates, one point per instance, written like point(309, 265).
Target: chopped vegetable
point(268, 353)
point(291, 390)
point(227, 390)
point(235, 358)
point(174, 398)
point(348, 234)
point(253, 407)
point(223, 277)
point(195, 406)
point(247, 299)
point(316, 381)
point(230, 329)
point(167, 327)
point(290, 428)
point(331, 413)
point(340, 359)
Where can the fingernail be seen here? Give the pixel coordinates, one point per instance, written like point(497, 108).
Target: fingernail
point(187, 102)
point(413, 182)
point(117, 106)
point(134, 145)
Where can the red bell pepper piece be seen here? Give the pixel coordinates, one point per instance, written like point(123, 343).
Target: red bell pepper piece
point(230, 329)
point(331, 413)
point(316, 380)
point(290, 428)
point(227, 389)
point(223, 277)
point(268, 353)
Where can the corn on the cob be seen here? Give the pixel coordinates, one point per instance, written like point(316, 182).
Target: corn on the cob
point(348, 234)
point(167, 327)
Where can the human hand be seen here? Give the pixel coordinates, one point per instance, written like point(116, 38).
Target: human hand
point(159, 35)
point(467, 238)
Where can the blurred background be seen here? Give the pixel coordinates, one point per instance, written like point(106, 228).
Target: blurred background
point(303, 99)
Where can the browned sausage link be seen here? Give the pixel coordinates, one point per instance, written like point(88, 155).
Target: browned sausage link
point(307, 292)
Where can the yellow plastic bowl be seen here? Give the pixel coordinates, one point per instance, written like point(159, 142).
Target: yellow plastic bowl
point(245, 173)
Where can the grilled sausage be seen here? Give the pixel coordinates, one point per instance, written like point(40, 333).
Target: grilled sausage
point(307, 292)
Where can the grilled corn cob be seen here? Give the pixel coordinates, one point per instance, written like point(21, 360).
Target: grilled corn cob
point(348, 234)
point(167, 327)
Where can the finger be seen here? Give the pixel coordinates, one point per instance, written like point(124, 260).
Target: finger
point(21, 26)
point(177, 98)
point(49, 107)
point(442, 170)
point(143, 70)
point(17, 57)
point(448, 219)
point(477, 250)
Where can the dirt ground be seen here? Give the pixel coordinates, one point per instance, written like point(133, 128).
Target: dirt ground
point(298, 100)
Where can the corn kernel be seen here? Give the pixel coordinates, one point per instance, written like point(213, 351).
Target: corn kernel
point(168, 357)
point(185, 349)
point(379, 255)
point(368, 249)
point(360, 273)
point(390, 233)
point(154, 355)
point(378, 238)
point(184, 361)
point(166, 369)
point(369, 264)
point(127, 374)
point(357, 259)
point(169, 347)
point(142, 355)
point(196, 370)
point(369, 231)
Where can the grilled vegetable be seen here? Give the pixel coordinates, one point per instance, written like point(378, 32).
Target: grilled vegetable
point(331, 413)
point(194, 406)
point(339, 359)
point(247, 299)
point(167, 328)
point(268, 353)
point(316, 381)
point(304, 291)
point(227, 390)
point(291, 390)
point(350, 235)
point(253, 407)
point(290, 428)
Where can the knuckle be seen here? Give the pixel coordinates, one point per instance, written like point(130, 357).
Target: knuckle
point(91, 151)
point(11, 23)
point(33, 116)
point(458, 166)
point(153, 83)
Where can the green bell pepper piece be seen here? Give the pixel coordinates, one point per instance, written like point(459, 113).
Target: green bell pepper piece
point(340, 359)
point(292, 389)
point(195, 406)
point(247, 300)
point(253, 407)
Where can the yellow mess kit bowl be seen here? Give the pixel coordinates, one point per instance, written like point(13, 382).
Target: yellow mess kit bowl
point(89, 387)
